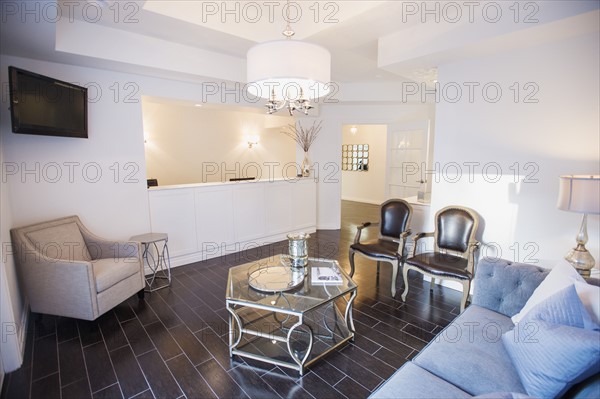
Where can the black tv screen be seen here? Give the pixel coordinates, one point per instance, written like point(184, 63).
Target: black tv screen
point(46, 106)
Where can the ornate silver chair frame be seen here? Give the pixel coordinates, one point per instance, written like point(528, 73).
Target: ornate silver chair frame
point(453, 256)
point(391, 242)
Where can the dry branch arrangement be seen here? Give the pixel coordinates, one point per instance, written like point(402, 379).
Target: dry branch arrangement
point(303, 136)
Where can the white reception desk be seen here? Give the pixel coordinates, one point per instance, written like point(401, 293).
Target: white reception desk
point(207, 220)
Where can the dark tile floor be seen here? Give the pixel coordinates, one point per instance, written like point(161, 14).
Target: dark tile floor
point(173, 344)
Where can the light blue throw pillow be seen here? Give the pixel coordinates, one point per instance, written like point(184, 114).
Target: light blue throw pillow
point(555, 345)
point(564, 307)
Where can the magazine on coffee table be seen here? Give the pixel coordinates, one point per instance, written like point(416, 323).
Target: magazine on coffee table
point(325, 275)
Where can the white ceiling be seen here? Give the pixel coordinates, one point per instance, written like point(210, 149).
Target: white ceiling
point(371, 42)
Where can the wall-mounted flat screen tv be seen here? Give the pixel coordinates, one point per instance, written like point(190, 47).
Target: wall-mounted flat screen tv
point(45, 106)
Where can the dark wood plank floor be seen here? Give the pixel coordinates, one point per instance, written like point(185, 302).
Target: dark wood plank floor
point(173, 344)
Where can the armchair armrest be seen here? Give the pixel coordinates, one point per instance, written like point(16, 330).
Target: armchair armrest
point(101, 248)
point(64, 287)
point(402, 242)
point(418, 237)
point(361, 227)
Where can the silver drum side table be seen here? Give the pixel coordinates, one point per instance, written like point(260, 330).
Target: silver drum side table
point(157, 258)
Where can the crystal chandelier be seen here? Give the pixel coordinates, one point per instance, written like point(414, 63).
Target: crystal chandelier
point(288, 73)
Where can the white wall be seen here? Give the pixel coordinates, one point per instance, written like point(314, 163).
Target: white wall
point(529, 144)
point(101, 179)
point(189, 144)
point(13, 310)
point(366, 186)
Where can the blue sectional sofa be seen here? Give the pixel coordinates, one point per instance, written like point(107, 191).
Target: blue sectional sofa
point(468, 358)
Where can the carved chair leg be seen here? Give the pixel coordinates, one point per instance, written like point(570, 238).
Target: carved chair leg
point(351, 258)
point(378, 264)
point(394, 275)
point(405, 275)
point(466, 288)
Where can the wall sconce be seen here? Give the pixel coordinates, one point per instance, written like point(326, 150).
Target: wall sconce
point(353, 129)
point(252, 141)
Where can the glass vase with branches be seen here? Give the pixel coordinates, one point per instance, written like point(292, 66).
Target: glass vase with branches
point(304, 137)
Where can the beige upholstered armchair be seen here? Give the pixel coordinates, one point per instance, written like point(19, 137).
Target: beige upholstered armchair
point(68, 271)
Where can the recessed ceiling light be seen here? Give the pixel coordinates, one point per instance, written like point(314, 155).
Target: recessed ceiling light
point(197, 105)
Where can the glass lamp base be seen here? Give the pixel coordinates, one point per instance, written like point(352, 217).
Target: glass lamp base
point(581, 260)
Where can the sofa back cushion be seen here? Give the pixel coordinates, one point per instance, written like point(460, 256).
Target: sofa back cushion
point(503, 286)
point(63, 241)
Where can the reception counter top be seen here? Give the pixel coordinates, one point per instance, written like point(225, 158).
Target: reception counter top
point(225, 183)
point(207, 220)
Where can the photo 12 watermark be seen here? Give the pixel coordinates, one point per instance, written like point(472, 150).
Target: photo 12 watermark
point(253, 12)
point(71, 172)
point(460, 12)
point(472, 92)
point(126, 12)
point(490, 332)
point(470, 171)
point(255, 93)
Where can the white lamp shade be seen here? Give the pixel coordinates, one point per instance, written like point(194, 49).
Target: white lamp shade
point(287, 66)
point(579, 194)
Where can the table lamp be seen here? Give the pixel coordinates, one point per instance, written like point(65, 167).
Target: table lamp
point(580, 194)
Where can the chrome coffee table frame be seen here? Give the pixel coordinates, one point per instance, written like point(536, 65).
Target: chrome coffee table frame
point(293, 313)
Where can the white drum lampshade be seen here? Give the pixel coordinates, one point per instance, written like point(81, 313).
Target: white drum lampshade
point(579, 194)
point(289, 68)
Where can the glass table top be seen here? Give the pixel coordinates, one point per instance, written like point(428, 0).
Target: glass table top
point(272, 284)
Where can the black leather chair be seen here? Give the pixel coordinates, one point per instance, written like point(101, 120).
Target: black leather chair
point(453, 257)
point(390, 246)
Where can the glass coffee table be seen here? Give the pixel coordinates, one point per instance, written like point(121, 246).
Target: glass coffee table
point(286, 316)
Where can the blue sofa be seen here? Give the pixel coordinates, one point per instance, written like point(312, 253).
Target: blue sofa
point(468, 358)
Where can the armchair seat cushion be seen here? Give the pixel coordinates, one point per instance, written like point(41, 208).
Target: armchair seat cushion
point(384, 249)
point(442, 265)
point(110, 271)
point(63, 241)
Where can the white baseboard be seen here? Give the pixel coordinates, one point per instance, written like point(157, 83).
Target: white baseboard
point(329, 226)
point(222, 249)
point(13, 344)
point(23, 331)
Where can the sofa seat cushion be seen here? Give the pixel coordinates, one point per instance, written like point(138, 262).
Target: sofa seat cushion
point(469, 353)
point(63, 241)
point(109, 272)
point(413, 382)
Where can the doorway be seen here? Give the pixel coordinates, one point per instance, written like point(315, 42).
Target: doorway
point(408, 160)
point(363, 163)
